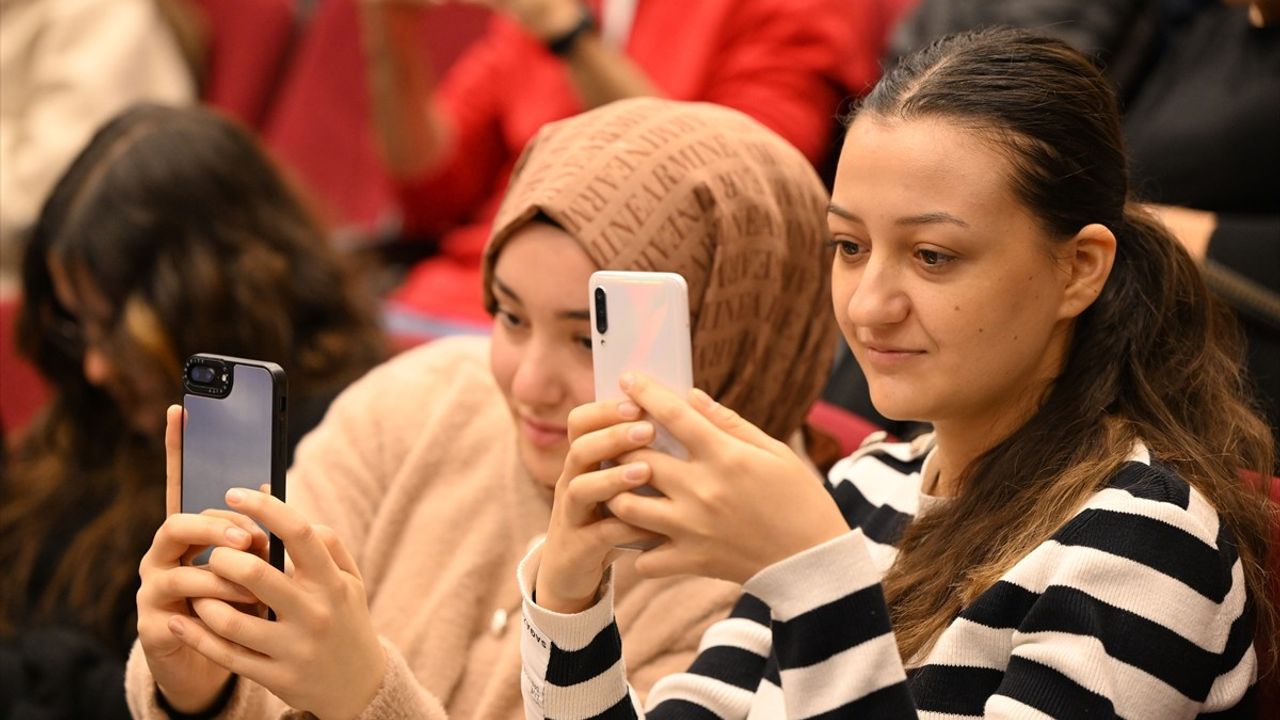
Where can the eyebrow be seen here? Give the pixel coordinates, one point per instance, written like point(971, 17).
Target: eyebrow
point(835, 209)
point(501, 288)
point(929, 218)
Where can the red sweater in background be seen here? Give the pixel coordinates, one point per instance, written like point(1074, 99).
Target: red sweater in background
point(787, 63)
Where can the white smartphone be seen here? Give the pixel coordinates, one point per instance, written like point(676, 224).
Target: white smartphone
point(640, 323)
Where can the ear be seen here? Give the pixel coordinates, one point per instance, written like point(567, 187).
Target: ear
point(1088, 267)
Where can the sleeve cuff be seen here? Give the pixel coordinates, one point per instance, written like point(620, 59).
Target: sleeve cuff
point(544, 629)
point(813, 578)
point(568, 632)
point(400, 695)
point(144, 699)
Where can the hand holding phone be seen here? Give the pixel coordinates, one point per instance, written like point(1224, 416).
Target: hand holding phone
point(188, 679)
point(640, 323)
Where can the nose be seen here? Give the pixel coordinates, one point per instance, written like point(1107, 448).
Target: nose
point(878, 297)
point(538, 380)
point(98, 370)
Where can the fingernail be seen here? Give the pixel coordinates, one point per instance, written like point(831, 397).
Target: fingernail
point(626, 381)
point(635, 472)
point(628, 409)
point(640, 432)
point(235, 496)
point(237, 536)
point(175, 626)
point(702, 399)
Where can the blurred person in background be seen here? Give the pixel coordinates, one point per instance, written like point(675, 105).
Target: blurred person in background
point(65, 68)
point(450, 149)
point(170, 234)
point(1201, 128)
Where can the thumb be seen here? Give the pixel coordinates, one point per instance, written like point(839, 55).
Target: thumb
point(729, 421)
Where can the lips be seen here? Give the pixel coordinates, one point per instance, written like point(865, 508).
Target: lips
point(889, 356)
point(542, 434)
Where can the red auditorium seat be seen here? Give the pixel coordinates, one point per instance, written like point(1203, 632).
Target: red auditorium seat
point(848, 429)
point(249, 44)
point(320, 127)
point(22, 392)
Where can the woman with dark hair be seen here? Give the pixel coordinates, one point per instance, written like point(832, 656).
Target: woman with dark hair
point(1074, 538)
point(170, 234)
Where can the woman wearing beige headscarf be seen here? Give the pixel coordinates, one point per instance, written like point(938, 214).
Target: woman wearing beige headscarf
point(435, 472)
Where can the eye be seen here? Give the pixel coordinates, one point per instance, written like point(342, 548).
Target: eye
point(584, 341)
point(508, 319)
point(847, 248)
point(934, 258)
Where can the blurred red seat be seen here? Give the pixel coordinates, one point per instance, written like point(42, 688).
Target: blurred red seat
point(22, 391)
point(321, 127)
point(249, 45)
point(848, 429)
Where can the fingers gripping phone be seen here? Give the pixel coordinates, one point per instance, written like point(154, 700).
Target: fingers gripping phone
point(233, 434)
point(640, 323)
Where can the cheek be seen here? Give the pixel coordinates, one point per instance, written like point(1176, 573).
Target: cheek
point(1006, 325)
point(582, 384)
point(843, 284)
point(504, 360)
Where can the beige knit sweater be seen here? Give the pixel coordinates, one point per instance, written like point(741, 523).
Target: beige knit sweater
point(415, 467)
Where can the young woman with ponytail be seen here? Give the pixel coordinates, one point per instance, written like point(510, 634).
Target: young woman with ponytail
point(1075, 535)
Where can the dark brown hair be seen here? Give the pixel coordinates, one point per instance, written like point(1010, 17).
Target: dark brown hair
point(1155, 357)
point(178, 220)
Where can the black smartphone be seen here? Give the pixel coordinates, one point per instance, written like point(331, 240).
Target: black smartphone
point(234, 434)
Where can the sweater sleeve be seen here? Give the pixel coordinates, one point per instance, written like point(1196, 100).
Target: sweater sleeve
point(829, 619)
point(572, 664)
point(468, 100)
point(788, 64)
point(398, 697)
point(248, 700)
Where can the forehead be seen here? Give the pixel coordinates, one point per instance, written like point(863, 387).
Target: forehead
point(898, 165)
point(543, 264)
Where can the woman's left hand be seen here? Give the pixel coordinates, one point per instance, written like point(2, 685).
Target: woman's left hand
point(741, 502)
point(321, 653)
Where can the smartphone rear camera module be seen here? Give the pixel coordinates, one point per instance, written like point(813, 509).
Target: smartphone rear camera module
point(205, 376)
point(602, 312)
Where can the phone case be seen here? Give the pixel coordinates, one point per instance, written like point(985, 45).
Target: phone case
point(646, 330)
point(236, 437)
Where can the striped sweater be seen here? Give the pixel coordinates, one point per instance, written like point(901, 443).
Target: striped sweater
point(1134, 608)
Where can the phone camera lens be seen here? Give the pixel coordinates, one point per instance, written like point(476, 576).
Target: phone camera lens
point(602, 312)
point(202, 374)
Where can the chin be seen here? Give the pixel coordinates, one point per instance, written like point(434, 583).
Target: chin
point(543, 465)
point(899, 407)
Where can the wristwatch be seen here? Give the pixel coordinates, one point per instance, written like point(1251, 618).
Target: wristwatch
point(564, 42)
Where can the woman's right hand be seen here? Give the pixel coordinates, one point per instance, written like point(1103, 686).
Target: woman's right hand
point(581, 543)
point(189, 681)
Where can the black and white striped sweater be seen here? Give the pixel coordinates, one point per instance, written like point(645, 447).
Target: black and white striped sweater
point(1135, 608)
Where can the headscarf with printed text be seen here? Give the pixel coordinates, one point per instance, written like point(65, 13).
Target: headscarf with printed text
point(709, 193)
